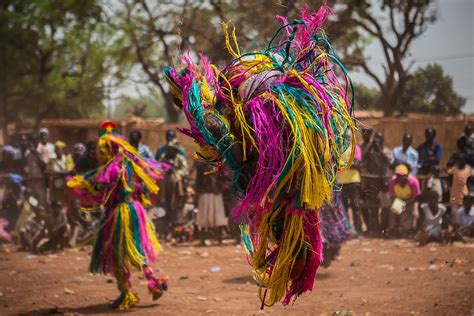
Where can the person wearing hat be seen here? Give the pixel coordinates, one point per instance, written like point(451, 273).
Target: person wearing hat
point(44, 147)
point(58, 169)
point(403, 190)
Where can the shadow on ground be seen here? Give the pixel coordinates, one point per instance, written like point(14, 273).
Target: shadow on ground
point(85, 310)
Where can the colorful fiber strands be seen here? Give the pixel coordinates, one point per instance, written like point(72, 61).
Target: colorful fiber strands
point(126, 237)
point(280, 118)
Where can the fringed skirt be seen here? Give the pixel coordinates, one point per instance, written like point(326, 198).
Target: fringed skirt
point(126, 238)
point(211, 211)
point(335, 228)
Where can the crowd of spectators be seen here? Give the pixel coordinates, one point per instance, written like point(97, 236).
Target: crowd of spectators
point(405, 192)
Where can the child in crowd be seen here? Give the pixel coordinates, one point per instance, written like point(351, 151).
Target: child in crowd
point(465, 217)
point(460, 172)
point(434, 182)
point(430, 220)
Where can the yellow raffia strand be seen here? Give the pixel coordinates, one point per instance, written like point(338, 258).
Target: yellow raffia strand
point(130, 299)
point(291, 245)
point(308, 158)
point(315, 61)
point(150, 228)
point(206, 93)
point(128, 252)
point(147, 180)
point(235, 53)
point(80, 183)
point(240, 116)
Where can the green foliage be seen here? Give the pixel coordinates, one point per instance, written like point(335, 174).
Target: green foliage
point(429, 90)
point(54, 60)
point(366, 98)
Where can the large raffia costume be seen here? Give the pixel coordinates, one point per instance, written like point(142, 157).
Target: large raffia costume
point(280, 120)
point(126, 237)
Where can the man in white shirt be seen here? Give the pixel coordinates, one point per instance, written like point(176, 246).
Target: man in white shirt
point(45, 148)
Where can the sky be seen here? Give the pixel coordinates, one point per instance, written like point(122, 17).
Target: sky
point(449, 42)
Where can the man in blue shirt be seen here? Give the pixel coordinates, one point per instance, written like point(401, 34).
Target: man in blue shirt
point(406, 154)
point(135, 139)
point(170, 138)
point(429, 153)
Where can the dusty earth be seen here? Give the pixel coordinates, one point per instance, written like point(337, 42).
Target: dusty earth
point(371, 277)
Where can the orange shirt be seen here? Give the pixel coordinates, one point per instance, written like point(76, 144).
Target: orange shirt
point(459, 186)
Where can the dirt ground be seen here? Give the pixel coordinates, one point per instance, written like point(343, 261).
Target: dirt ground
point(371, 277)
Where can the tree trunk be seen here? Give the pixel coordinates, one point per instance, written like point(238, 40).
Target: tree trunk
point(171, 109)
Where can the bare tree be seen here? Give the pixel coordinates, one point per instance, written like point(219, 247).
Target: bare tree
point(397, 24)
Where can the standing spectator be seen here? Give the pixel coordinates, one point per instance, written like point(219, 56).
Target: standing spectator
point(35, 171)
point(173, 188)
point(13, 155)
point(435, 183)
point(78, 153)
point(351, 190)
point(460, 172)
point(430, 220)
point(57, 170)
point(406, 154)
point(465, 144)
point(170, 138)
point(404, 190)
point(366, 137)
point(135, 139)
point(429, 153)
point(45, 148)
point(211, 211)
point(376, 167)
point(89, 160)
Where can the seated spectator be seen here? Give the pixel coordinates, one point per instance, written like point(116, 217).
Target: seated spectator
point(406, 154)
point(460, 172)
point(465, 217)
point(430, 220)
point(404, 191)
point(429, 153)
point(56, 229)
point(80, 223)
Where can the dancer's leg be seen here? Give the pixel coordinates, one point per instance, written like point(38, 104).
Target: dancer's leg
point(127, 298)
point(156, 286)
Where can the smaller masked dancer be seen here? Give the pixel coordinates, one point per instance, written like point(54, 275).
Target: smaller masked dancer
point(126, 236)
